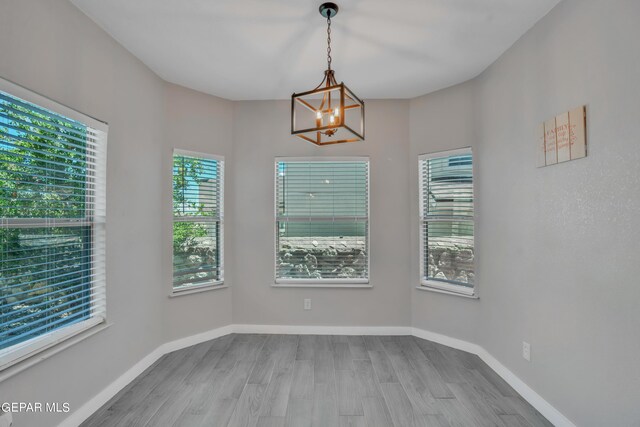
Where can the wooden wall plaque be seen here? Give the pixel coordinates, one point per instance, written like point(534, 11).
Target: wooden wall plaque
point(551, 150)
point(577, 133)
point(562, 138)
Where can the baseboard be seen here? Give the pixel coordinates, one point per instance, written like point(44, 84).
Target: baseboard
point(447, 340)
point(196, 339)
point(544, 407)
point(321, 330)
point(537, 401)
point(85, 411)
point(96, 402)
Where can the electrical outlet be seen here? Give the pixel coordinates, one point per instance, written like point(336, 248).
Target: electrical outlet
point(526, 351)
point(307, 303)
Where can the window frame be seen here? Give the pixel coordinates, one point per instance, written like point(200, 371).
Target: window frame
point(321, 283)
point(212, 284)
point(60, 338)
point(437, 285)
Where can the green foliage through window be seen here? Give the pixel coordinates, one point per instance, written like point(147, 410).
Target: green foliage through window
point(197, 226)
point(45, 264)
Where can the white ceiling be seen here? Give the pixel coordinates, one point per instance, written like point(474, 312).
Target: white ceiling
point(268, 49)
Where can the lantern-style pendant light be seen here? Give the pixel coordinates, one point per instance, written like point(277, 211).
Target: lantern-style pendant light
point(330, 113)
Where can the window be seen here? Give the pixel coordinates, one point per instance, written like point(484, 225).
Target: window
point(52, 223)
point(198, 187)
point(322, 221)
point(446, 215)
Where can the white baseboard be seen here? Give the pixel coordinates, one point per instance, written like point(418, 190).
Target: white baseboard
point(321, 330)
point(447, 340)
point(196, 339)
point(544, 407)
point(97, 401)
point(537, 401)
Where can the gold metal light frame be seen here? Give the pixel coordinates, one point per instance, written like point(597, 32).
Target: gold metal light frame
point(331, 113)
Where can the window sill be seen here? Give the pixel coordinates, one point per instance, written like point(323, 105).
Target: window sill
point(323, 285)
point(47, 352)
point(197, 289)
point(445, 292)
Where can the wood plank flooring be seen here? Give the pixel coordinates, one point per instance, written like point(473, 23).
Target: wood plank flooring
point(318, 380)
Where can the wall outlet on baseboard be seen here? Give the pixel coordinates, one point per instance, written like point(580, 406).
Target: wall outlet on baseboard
point(526, 351)
point(307, 303)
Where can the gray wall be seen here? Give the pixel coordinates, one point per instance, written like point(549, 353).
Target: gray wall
point(261, 133)
point(200, 123)
point(442, 121)
point(52, 48)
point(557, 246)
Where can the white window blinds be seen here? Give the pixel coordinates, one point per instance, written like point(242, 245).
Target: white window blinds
point(446, 214)
point(322, 220)
point(52, 223)
point(198, 186)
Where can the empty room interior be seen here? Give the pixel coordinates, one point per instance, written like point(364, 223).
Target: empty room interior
point(305, 213)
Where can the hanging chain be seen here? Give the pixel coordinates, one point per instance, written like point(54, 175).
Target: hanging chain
point(329, 40)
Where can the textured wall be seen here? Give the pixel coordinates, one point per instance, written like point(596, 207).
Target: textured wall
point(261, 133)
point(200, 123)
point(52, 48)
point(443, 120)
point(548, 239)
point(557, 246)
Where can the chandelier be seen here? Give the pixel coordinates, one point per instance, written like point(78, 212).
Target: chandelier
point(330, 113)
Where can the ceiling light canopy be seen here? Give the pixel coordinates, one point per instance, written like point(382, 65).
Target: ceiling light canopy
point(331, 113)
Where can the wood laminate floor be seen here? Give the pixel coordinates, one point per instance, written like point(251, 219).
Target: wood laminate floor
point(318, 380)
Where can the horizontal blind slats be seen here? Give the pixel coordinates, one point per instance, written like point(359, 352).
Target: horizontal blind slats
point(40, 184)
point(71, 285)
point(447, 186)
point(322, 210)
point(36, 112)
point(52, 212)
point(67, 176)
point(80, 299)
point(190, 281)
point(84, 260)
point(198, 185)
point(12, 149)
point(25, 137)
point(447, 211)
point(95, 252)
point(60, 285)
point(6, 118)
point(8, 340)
